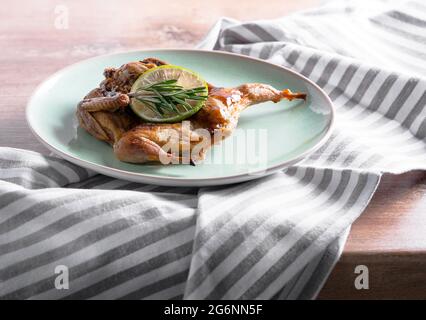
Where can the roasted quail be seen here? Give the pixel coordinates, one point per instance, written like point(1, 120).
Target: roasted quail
point(105, 114)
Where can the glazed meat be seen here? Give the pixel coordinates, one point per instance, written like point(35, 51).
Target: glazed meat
point(122, 79)
point(103, 111)
point(105, 114)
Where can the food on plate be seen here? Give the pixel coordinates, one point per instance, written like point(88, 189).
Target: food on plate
point(150, 111)
point(168, 94)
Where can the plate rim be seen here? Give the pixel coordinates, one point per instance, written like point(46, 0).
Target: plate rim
point(173, 181)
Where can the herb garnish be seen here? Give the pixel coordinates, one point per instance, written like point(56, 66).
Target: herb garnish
point(166, 96)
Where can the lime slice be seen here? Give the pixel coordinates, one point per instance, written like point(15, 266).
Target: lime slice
point(184, 77)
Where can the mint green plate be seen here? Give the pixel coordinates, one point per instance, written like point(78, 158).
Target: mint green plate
point(270, 136)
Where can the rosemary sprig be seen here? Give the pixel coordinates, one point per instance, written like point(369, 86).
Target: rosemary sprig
point(167, 96)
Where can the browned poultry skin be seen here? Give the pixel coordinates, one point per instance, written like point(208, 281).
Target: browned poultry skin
point(105, 115)
point(109, 119)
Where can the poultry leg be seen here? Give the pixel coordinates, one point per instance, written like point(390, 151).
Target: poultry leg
point(104, 117)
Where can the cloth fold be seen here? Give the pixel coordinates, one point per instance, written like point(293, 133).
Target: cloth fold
point(273, 238)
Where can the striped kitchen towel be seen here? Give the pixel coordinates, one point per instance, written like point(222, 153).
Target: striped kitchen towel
point(273, 238)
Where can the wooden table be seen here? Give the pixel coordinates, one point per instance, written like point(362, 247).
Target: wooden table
point(389, 238)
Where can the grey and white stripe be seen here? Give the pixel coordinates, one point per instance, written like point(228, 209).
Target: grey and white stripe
point(274, 238)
